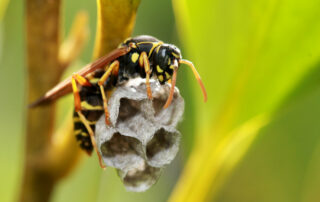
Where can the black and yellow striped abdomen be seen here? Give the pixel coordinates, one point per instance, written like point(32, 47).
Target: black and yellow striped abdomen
point(91, 108)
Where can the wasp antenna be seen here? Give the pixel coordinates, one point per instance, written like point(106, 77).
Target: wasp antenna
point(196, 74)
point(173, 83)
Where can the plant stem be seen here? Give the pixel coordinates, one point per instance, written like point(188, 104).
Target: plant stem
point(47, 161)
point(42, 28)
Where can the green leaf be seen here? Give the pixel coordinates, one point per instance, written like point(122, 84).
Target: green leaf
point(251, 54)
point(283, 163)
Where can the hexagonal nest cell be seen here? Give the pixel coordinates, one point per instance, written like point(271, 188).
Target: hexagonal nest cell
point(143, 137)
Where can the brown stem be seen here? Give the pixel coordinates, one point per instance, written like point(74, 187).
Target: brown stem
point(42, 28)
point(47, 161)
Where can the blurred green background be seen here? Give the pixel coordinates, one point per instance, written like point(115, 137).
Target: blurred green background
point(257, 59)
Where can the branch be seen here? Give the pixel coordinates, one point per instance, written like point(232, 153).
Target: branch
point(50, 155)
point(42, 24)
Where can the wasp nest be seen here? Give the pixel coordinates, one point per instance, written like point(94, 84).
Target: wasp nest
point(143, 136)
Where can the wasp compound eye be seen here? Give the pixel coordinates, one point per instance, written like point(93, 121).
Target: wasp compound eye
point(143, 138)
point(162, 57)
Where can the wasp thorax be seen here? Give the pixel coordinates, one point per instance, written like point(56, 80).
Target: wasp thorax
point(166, 59)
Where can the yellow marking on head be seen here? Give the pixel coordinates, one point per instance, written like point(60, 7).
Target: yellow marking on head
point(167, 75)
point(171, 67)
point(87, 106)
point(134, 57)
point(159, 69)
point(160, 77)
point(175, 55)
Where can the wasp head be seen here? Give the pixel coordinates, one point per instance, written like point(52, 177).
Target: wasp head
point(166, 60)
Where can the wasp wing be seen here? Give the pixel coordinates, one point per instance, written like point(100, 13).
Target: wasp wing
point(65, 87)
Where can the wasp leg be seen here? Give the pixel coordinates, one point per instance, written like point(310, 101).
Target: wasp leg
point(93, 141)
point(173, 83)
point(114, 67)
point(83, 82)
point(144, 62)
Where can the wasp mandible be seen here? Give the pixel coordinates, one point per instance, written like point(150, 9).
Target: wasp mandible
point(142, 56)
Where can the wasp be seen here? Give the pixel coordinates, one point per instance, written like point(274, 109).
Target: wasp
point(142, 56)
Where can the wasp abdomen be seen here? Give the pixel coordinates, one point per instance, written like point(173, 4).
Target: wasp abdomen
point(92, 109)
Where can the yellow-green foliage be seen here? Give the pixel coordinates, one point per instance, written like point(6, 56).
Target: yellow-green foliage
point(254, 55)
point(257, 137)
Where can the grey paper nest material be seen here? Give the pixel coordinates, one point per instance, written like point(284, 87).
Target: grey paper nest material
point(143, 136)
